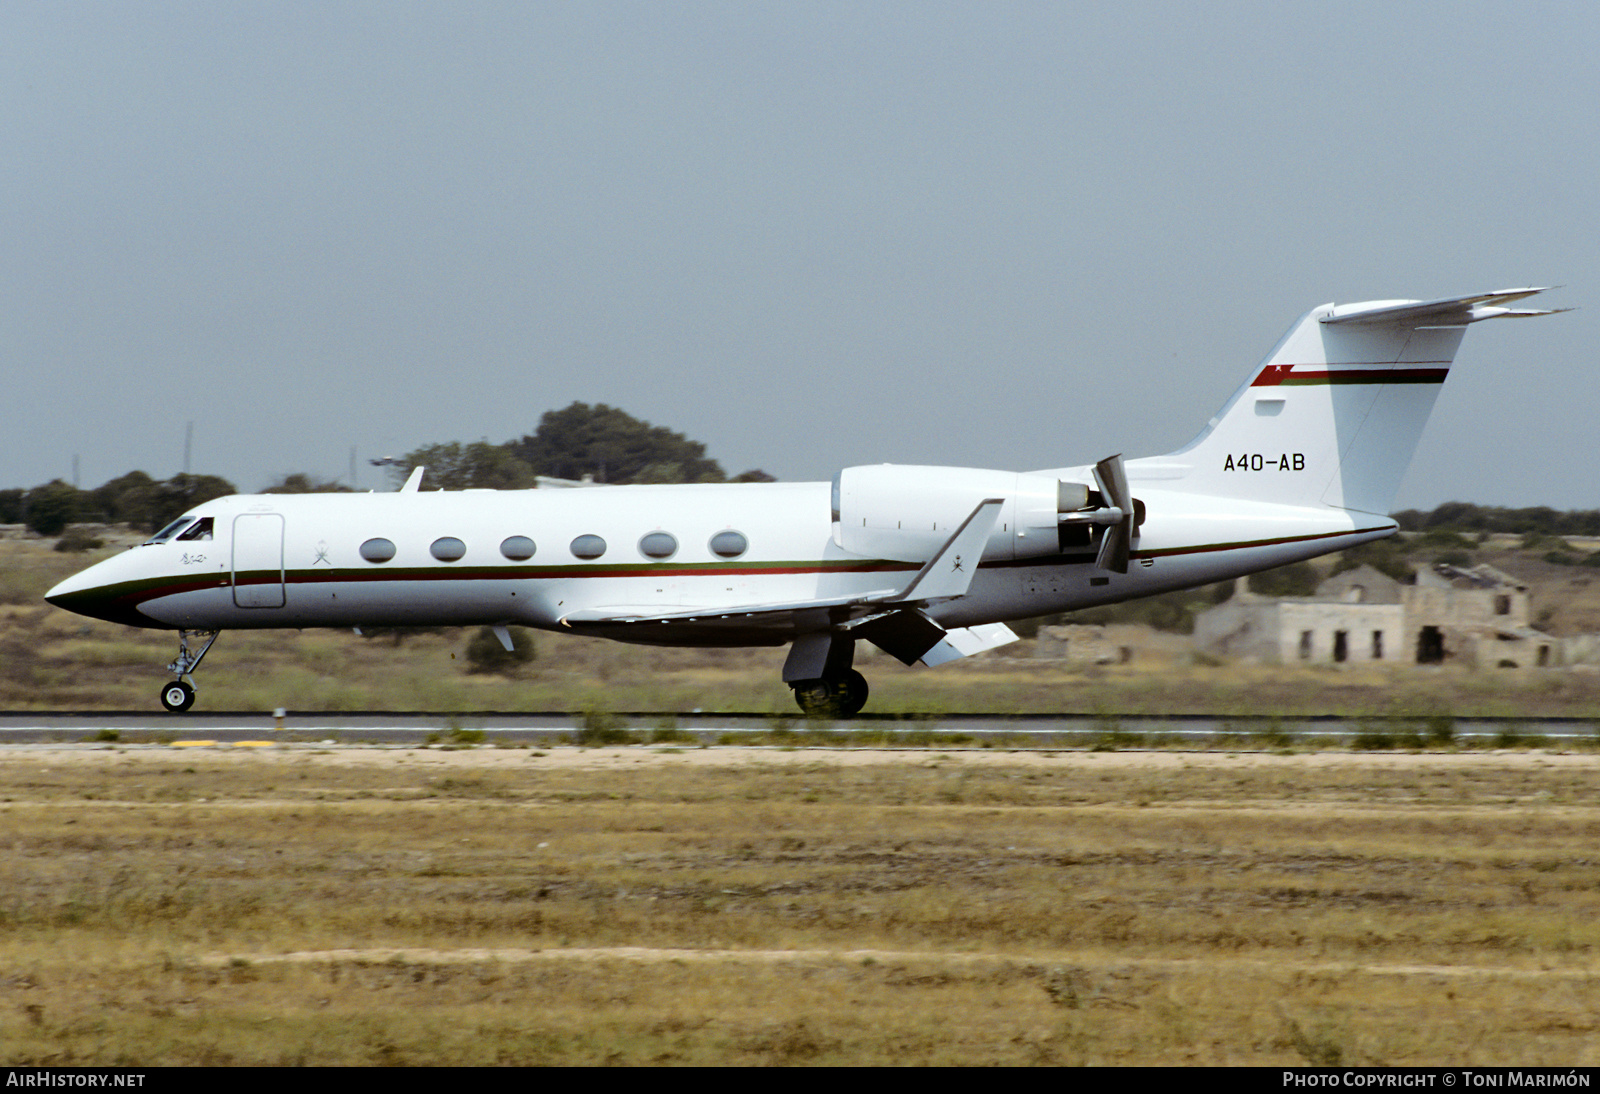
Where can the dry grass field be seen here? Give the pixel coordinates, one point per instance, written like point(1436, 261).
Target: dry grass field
point(296, 904)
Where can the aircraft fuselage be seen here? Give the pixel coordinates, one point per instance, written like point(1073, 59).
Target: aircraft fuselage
point(297, 561)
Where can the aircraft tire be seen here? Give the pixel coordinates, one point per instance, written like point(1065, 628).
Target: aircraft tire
point(815, 698)
point(852, 691)
point(177, 696)
point(835, 697)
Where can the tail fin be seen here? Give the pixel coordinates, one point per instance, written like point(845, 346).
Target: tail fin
point(1333, 415)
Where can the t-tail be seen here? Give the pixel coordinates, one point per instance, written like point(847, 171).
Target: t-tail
point(1333, 415)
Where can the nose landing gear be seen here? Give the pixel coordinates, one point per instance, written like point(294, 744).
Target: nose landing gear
point(178, 696)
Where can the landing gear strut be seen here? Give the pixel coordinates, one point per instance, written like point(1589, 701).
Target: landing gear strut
point(819, 670)
point(834, 696)
point(178, 696)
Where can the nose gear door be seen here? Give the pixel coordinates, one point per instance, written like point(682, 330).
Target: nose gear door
point(258, 560)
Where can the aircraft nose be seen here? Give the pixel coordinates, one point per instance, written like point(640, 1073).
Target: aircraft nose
point(64, 591)
point(87, 593)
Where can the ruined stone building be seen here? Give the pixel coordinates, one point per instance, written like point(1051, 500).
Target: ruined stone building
point(1080, 643)
point(1476, 616)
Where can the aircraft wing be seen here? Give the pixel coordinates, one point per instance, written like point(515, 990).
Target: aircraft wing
point(743, 613)
point(946, 576)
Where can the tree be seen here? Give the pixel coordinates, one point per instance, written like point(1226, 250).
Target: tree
point(614, 447)
point(300, 483)
point(1384, 555)
point(476, 466)
point(53, 506)
point(12, 510)
point(1293, 579)
point(131, 499)
point(485, 654)
point(177, 495)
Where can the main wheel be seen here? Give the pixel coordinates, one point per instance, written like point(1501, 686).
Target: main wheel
point(834, 697)
point(815, 698)
point(852, 691)
point(177, 696)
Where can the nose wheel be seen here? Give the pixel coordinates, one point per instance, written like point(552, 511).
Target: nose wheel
point(178, 696)
point(840, 696)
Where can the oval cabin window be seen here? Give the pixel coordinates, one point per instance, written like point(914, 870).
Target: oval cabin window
point(729, 544)
point(588, 547)
point(377, 550)
point(658, 545)
point(447, 549)
point(517, 548)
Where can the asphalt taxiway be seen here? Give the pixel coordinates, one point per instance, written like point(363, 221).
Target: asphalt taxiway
point(1016, 731)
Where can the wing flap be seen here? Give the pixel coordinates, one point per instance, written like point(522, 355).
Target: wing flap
point(966, 641)
point(946, 576)
point(624, 613)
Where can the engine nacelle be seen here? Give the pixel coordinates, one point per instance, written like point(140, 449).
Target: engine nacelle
point(907, 513)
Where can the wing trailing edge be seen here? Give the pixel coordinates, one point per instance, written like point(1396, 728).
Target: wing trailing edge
point(891, 618)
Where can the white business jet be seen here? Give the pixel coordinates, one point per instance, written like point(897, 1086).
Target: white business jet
point(925, 562)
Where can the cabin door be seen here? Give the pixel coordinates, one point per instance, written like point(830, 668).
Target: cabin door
point(258, 560)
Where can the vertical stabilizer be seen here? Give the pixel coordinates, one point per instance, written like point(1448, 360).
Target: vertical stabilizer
point(1333, 415)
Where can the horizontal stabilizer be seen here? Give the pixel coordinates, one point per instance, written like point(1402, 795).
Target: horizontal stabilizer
point(1454, 311)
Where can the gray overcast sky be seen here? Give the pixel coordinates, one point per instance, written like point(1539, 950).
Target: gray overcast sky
point(809, 235)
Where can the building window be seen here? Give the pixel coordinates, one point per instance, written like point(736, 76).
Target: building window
point(1377, 645)
point(1305, 645)
point(1430, 646)
point(1341, 645)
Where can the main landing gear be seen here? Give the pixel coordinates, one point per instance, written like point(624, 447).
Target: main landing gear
point(178, 696)
point(818, 669)
point(832, 696)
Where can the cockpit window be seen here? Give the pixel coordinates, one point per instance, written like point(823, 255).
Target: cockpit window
point(201, 529)
point(171, 530)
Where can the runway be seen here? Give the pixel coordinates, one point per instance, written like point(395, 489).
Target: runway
point(969, 730)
